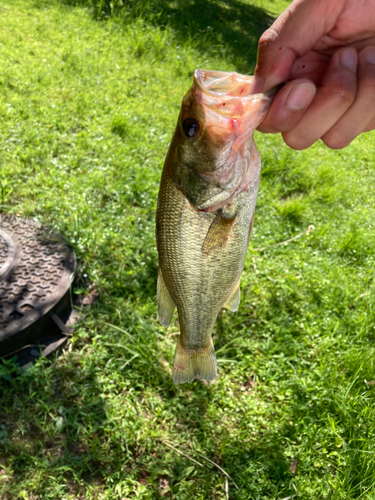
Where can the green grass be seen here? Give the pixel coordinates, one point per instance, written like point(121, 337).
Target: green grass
point(87, 109)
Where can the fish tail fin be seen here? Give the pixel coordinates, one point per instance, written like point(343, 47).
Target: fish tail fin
point(188, 364)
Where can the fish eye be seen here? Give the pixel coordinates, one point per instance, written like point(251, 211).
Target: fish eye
point(190, 127)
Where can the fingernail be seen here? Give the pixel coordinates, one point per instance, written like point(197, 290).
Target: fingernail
point(349, 59)
point(300, 96)
point(369, 55)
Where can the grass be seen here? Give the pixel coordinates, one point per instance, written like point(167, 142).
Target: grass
point(87, 112)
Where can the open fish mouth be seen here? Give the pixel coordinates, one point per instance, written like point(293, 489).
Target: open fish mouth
point(233, 112)
point(228, 102)
point(223, 86)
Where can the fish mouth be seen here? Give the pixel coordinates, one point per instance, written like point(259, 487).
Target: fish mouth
point(231, 110)
point(220, 82)
point(228, 103)
point(231, 114)
point(224, 85)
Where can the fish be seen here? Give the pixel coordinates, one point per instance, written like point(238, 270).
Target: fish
point(205, 212)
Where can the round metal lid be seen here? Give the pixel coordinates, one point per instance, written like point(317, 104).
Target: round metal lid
point(36, 268)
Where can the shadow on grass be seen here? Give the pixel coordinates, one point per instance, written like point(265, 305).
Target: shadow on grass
point(63, 416)
point(229, 28)
point(57, 423)
point(256, 463)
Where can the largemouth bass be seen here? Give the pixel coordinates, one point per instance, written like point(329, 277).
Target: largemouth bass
point(205, 212)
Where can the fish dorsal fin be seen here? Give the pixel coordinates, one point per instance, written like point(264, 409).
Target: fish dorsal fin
point(165, 302)
point(234, 300)
point(217, 234)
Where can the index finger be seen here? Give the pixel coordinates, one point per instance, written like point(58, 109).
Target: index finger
point(293, 34)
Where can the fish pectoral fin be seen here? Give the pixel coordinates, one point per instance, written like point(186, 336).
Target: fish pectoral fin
point(217, 234)
point(234, 300)
point(191, 364)
point(165, 302)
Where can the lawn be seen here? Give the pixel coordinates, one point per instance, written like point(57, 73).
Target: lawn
point(88, 105)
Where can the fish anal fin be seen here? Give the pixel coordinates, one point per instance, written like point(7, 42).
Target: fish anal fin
point(191, 364)
point(165, 302)
point(234, 300)
point(217, 234)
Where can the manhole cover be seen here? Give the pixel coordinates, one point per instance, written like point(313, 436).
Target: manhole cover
point(36, 268)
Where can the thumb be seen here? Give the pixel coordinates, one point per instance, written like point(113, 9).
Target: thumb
point(293, 34)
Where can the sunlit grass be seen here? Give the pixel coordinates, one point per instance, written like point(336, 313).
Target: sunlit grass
point(88, 108)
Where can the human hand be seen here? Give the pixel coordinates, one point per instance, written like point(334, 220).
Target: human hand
point(325, 51)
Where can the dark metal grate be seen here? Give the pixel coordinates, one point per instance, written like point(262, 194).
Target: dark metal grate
point(36, 268)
